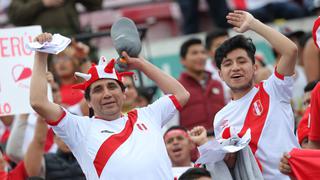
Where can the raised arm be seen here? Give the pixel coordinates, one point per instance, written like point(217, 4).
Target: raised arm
point(38, 90)
point(16, 138)
point(165, 82)
point(34, 155)
point(311, 60)
point(244, 21)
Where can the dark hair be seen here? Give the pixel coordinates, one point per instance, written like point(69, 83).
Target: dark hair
point(233, 43)
point(195, 173)
point(309, 87)
point(174, 128)
point(87, 95)
point(186, 45)
point(213, 35)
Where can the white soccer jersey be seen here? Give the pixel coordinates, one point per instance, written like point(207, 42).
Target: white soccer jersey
point(130, 147)
point(266, 110)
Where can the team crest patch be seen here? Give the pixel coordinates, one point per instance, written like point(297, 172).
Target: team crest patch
point(215, 91)
point(257, 108)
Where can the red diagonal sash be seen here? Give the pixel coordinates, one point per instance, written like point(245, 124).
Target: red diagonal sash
point(110, 145)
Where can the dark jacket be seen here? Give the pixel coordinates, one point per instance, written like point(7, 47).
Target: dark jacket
point(62, 166)
point(63, 19)
point(205, 101)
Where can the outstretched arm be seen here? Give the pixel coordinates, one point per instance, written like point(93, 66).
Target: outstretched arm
point(38, 90)
point(165, 82)
point(34, 155)
point(15, 142)
point(244, 21)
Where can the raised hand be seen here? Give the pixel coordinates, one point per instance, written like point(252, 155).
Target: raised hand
point(241, 20)
point(132, 62)
point(44, 37)
point(198, 135)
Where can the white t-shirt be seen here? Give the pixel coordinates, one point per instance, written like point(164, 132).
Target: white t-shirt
point(266, 110)
point(130, 147)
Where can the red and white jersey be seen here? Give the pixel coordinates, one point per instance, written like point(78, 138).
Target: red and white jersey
point(266, 110)
point(130, 147)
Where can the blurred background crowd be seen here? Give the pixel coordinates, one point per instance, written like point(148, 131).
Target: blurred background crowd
point(178, 36)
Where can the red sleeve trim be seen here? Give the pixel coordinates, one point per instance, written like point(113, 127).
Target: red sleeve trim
point(54, 123)
point(278, 75)
point(175, 102)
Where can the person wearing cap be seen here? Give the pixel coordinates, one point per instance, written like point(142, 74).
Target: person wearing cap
point(263, 108)
point(111, 145)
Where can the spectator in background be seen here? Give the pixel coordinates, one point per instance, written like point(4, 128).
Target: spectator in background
point(53, 15)
point(262, 72)
point(189, 9)
point(179, 147)
point(300, 79)
point(269, 10)
point(206, 94)
point(305, 163)
point(64, 65)
point(23, 130)
point(145, 95)
point(303, 128)
point(196, 174)
point(59, 165)
point(130, 92)
point(213, 40)
point(6, 173)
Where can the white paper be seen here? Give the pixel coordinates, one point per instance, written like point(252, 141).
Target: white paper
point(58, 44)
point(214, 151)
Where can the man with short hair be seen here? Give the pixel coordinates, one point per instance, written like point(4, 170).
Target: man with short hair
point(111, 145)
point(264, 108)
point(180, 149)
point(206, 94)
point(179, 146)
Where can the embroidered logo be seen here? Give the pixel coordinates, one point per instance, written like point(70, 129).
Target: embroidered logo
point(142, 126)
point(106, 131)
point(257, 108)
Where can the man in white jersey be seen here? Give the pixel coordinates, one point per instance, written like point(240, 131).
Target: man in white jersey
point(265, 107)
point(110, 145)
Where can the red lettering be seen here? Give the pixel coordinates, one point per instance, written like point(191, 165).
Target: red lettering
point(3, 47)
point(15, 45)
point(5, 108)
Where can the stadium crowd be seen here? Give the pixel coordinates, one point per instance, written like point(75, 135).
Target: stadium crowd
point(102, 125)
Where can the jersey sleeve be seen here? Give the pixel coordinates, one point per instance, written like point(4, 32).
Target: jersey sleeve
point(162, 110)
point(315, 114)
point(71, 128)
point(279, 86)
